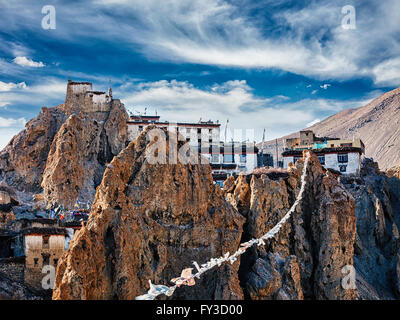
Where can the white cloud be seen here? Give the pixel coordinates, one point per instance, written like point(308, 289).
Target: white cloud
point(12, 123)
point(222, 33)
point(10, 86)
point(310, 41)
point(25, 62)
point(325, 86)
point(234, 100)
point(388, 72)
point(48, 89)
point(314, 91)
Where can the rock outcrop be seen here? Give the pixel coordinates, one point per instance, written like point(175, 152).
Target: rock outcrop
point(394, 172)
point(150, 221)
point(7, 201)
point(64, 150)
point(79, 153)
point(377, 245)
point(307, 256)
point(23, 160)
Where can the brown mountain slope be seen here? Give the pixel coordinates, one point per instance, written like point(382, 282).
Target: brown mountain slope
point(377, 124)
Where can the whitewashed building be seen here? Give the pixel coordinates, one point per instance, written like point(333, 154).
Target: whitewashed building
point(192, 132)
point(226, 159)
point(344, 156)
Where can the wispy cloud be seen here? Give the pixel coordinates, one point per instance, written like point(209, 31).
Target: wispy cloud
point(10, 86)
point(233, 100)
point(309, 41)
point(388, 72)
point(25, 62)
point(12, 123)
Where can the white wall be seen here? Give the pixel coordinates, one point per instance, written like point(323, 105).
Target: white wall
point(331, 162)
point(57, 242)
point(33, 242)
point(352, 166)
point(286, 161)
point(80, 88)
point(99, 99)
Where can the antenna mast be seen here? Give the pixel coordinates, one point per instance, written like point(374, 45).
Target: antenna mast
point(226, 128)
point(262, 149)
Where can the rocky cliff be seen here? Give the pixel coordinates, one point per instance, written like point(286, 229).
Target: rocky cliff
point(79, 153)
point(377, 244)
point(64, 150)
point(394, 172)
point(150, 222)
point(305, 260)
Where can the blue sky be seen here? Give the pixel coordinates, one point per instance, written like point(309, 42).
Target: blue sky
point(272, 64)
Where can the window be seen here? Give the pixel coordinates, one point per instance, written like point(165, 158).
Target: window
point(140, 128)
point(242, 158)
point(343, 158)
point(187, 130)
point(198, 130)
point(45, 241)
point(46, 259)
point(35, 261)
point(215, 158)
point(228, 158)
point(55, 262)
point(343, 168)
point(321, 159)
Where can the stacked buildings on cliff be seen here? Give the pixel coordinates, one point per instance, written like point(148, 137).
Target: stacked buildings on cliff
point(204, 136)
point(344, 156)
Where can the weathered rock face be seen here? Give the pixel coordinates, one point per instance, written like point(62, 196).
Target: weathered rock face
point(150, 222)
point(78, 155)
point(307, 256)
point(15, 290)
point(63, 151)
point(394, 172)
point(377, 245)
point(23, 160)
point(7, 201)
